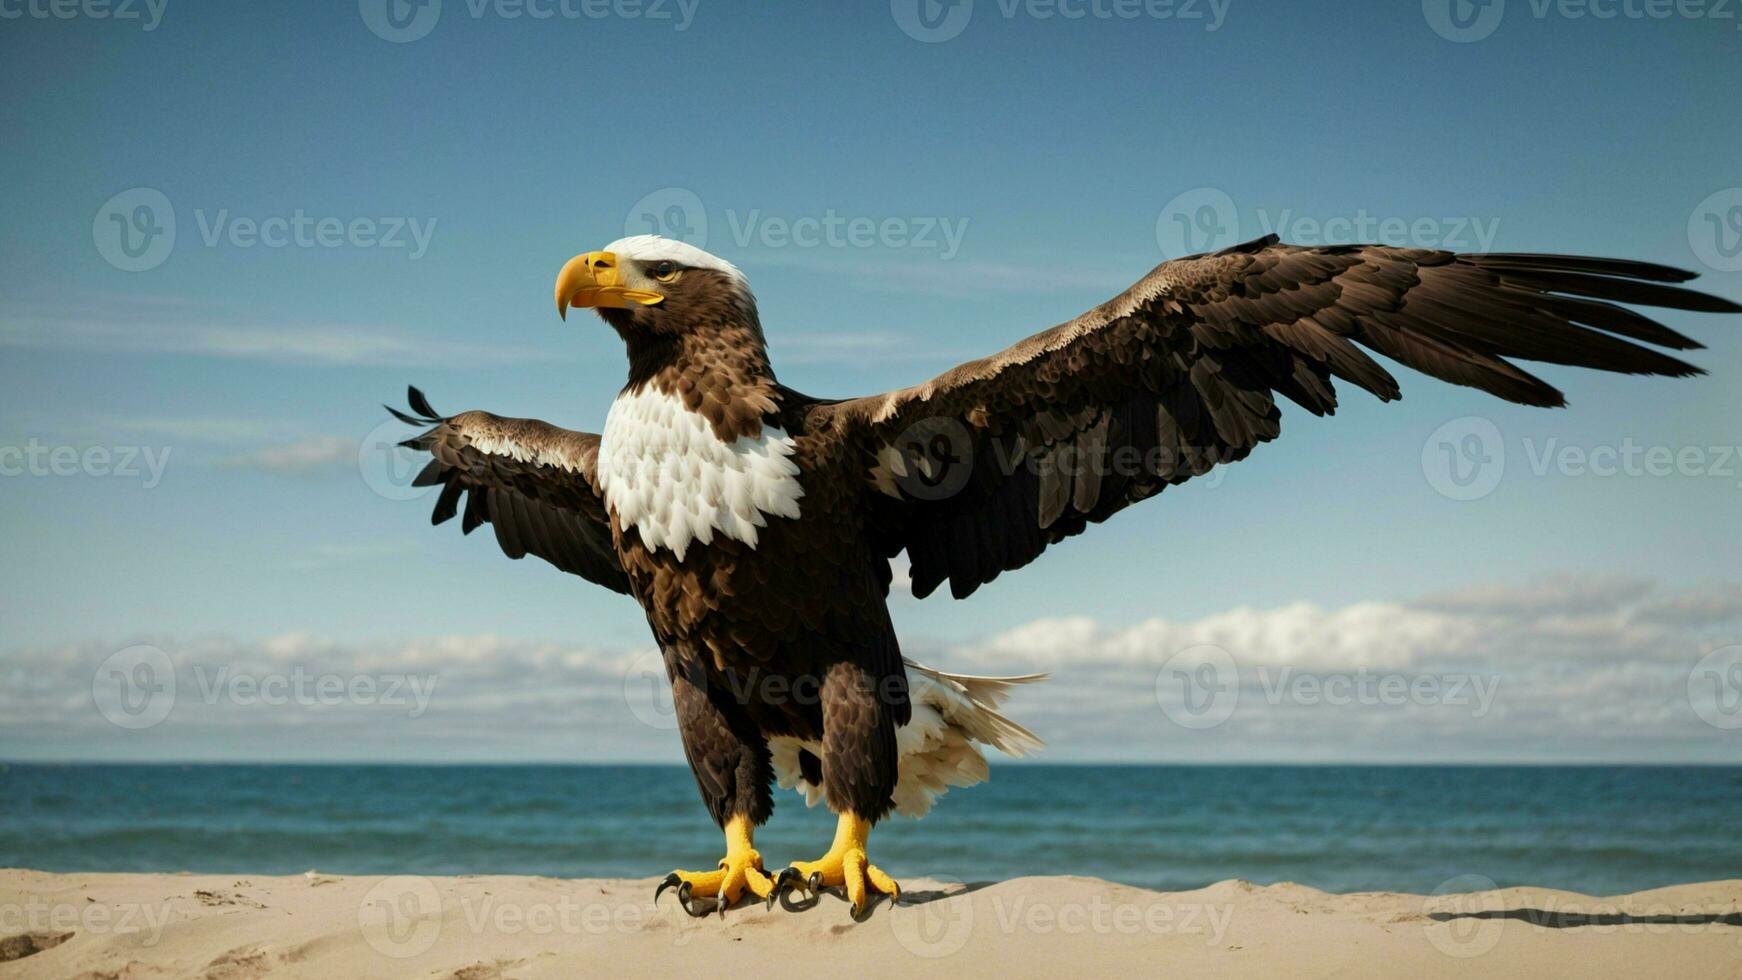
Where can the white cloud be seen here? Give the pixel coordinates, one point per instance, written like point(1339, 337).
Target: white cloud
point(1572, 668)
point(1710, 605)
point(302, 695)
point(1567, 670)
point(303, 456)
point(208, 333)
point(203, 429)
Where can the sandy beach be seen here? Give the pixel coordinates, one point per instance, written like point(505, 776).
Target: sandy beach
point(318, 925)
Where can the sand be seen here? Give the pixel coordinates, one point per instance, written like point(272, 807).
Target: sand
point(473, 927)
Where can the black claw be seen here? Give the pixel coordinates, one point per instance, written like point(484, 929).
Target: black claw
point(670, 880)
point(697, 908)
point(815, 881)
point(787, 876)
point(863, 911)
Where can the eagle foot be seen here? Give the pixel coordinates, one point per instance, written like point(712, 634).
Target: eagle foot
point(845, 865)
point(704, 892)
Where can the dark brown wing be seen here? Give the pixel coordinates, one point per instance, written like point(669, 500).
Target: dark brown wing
point(531, 481)
point(979, 469)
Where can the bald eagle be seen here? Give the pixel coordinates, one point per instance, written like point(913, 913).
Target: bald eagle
point(756, 525)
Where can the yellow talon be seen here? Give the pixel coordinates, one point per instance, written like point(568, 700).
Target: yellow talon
point(718, 889)
point(883, 883)
point(846, 865)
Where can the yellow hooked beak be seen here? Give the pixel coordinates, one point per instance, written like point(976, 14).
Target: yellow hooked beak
point(594, 280)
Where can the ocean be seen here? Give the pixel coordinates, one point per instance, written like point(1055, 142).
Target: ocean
point(1593, 829)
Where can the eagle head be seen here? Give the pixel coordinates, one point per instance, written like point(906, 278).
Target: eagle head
point(648, 286)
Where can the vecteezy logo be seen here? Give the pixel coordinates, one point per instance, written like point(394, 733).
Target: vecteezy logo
point(387, 467)
point(670, 212)
point(1200, 220)
point(931, 21)
point(1715, 230)
point(1198, 687)
point(1715, 688)
point(937, 927)
point(647, 691)
point(931, 459)
point(400, 21)
point(1463, 21)
point(1462, 916)
point(135, 230)
point(134, 688)
point(401, 916)
point(1465, 458)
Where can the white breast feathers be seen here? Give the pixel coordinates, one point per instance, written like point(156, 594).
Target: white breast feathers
point(665, 473)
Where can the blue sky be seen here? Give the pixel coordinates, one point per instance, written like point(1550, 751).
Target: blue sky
point(1055, 147)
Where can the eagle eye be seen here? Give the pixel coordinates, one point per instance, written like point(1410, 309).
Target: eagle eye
point(665, 271)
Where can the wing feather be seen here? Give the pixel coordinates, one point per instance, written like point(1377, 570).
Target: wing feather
point(531, 481)
point(1180, 373)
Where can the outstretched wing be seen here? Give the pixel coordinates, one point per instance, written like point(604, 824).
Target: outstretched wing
point(981, 468)
point(531, 481)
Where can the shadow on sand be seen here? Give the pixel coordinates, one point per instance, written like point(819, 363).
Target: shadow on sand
point(1575, 920)
point(792, 900)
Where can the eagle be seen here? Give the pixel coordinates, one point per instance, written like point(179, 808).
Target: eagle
point(757, 525)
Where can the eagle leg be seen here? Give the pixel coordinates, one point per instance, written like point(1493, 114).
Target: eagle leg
point(845, 865)
point(702, 892)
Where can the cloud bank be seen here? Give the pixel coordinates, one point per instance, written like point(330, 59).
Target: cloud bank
point(1571, 669)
